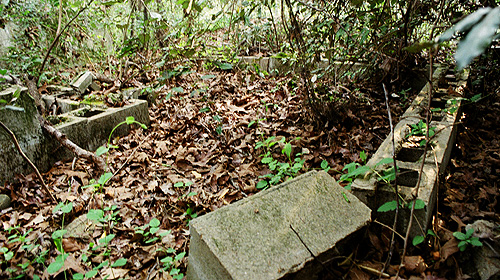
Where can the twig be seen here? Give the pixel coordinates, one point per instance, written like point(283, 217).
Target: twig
point(396, 191)
point(16, 143)
point(388, 227)
point(310, 252)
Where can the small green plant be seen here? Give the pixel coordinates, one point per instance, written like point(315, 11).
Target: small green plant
point(19, 243)
point(148, 231)
point(404, 97)
point(172, 262)
point(467, 239)
point(420, 129)
point(99, 185)
point(11, 103)
point(282, 170)
point(182, 184)
point(420, 238)
point(355, 170)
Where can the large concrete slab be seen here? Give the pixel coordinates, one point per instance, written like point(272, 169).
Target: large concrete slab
point(252, 238)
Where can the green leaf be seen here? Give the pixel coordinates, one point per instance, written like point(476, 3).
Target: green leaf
point(57, 264)
point(58, 207)
point(101, 151)
point(154, 222)
point(9, 255)
point(105, 240)
point(267, 160)
point(475, 242)
point(191, 194)
point(261, 184)
point(226, 66)
point(460, 235)
point(90, 274)
point(388, 206)
point(469, 233)
point(95, 214)
point(67, 208)
point(363, 156)
point(417, 240)
point(180, 256)
point(78, 276)
point(174, 271)
point(58, 233)
point(475, 98)
point(431, 232)
point(287, 150)
point(419, 204)
point(205, 109)
point(104, 178)
point(478, 39)
point(324, 164)
point(359, 171)
point(462, 245)
point(179, 185)
point(119, 262)
point(130, 120)
point(464, 25)
point(178, 89)
point(384, 161)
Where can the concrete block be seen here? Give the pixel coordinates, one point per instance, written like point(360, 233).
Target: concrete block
point(83, 82)
point(90, 127)
point(64, 105)
point(252, 238)
point(29, 134)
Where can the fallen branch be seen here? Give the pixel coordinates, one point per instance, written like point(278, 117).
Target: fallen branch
point(61, 138)
point(16, 143)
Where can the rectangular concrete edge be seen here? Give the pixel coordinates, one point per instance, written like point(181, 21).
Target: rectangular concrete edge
point(264, 245)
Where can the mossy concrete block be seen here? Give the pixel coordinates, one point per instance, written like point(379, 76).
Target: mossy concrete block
point(29, 134)
point(253, 239)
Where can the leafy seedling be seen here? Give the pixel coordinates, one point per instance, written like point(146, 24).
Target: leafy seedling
point(467, 239)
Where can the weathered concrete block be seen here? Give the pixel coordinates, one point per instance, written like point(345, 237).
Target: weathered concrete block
point(252, 238)
point(83, 82)
point(29, 134)
point(90, 128)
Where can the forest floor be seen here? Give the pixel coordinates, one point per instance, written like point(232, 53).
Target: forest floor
point(200, 154)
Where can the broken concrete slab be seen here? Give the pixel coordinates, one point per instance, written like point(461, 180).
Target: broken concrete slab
point(252, 238)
